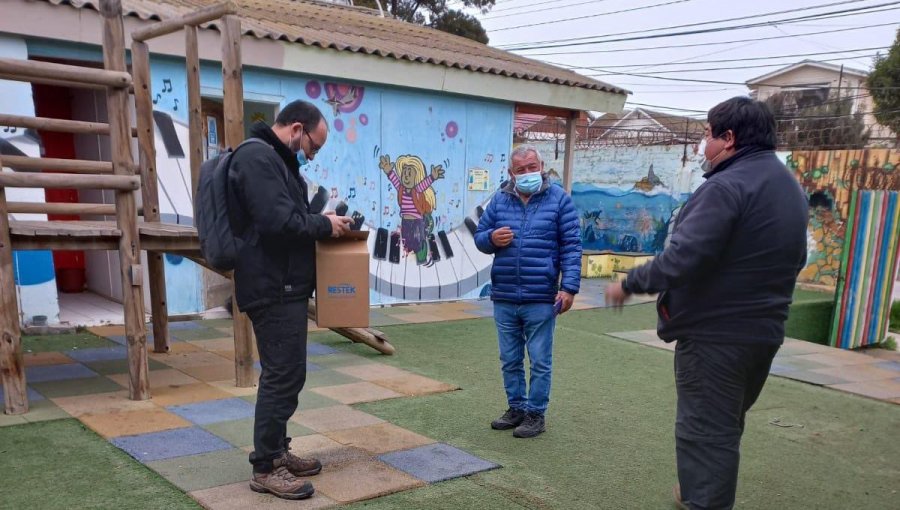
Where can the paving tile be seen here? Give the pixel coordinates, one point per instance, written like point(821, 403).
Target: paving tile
point(214, 411)
point(792, 347)
point(102, 403)
point(196, 334)
point(327, 419)
point(44, 410)
point(327, 378)
point(363, 480)
point(340, 360)
point(73, 387)
point(888, 365)
point(120, 366)
point(30, 393)
point(372, 371)
point(356, 393)
point(238, 496)
point(312, 444)
point(8, 420)
point(857, 373)
point(45, 373)
point(205, 470)
point(98, 353)
point(312, 400)
point(310, 367)
point(642, 336)
point(218, 323)
point(158, 378)
point(211, 372)
point(883, 390)
point(176, 347)
point(229, 354)
point(381, 438)
point(317, 349)
point(107, 331)
point(185, 326)
point(120, 339)
point(419, 318)
point(798, 363)
point(168, 444)
point(837, 358)
point(132, 423)
point(188, 393)
point(35, 359)
point(217, 344)
point(437, 462)
point(336, 457)
point(814, 378)
point(240, 432)
point(192, 359)
point(228, 386)
point(414, 385)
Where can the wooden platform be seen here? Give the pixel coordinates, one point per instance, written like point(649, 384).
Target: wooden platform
point(99, 235)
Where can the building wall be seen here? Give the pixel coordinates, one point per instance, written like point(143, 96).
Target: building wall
point(34, 272)
point(626, 197)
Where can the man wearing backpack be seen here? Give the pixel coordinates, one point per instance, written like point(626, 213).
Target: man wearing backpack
point(274, 277)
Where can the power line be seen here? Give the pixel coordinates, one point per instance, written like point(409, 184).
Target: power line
point(756, 66)
point(491, 16)
point(692, 45)
point(808, 17)
point(671, 2)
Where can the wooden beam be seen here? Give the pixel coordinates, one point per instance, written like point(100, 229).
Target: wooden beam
point(159, 310)
point(195, 119)
point(371, 337)
point(75, 166)
point(35, 180)
point(61, 208)
point(35, 70)
point(569, 160)
point(12, 366)
point(31, 243)
point(194, 18)
point(233, 91)
point(57, 125)
point(547, 111)
point(129, 243)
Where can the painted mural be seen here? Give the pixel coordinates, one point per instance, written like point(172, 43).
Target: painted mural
point(34, 272)
point(830, 178)
point(627, 197)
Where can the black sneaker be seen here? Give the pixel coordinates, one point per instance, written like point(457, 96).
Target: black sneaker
point(512, 418)
point(531, 426)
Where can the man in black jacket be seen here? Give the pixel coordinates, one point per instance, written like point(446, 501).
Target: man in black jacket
point(274, 277)
point(725, 283)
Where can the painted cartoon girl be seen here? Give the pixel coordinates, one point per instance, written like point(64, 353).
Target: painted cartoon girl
point(416, 199)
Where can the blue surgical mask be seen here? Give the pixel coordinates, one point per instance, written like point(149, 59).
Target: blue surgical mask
point(301, 158)
point(529, 183)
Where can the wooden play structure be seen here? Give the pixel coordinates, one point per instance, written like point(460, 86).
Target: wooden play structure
point(128, 234)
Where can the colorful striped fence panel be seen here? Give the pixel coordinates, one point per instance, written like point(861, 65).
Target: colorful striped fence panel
point(868, 268)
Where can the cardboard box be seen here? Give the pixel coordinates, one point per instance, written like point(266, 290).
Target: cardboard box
point(342, 281)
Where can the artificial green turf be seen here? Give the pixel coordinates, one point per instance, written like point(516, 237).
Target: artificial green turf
point(609, 442)
point(67, 342)
point(61, 464)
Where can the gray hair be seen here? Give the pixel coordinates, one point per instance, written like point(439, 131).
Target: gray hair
point(522, 150)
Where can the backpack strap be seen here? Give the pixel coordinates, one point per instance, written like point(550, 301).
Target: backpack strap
point(246, 228)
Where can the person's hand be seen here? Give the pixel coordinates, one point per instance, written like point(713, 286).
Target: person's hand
point(566, 301)
point(437, 172)
point(502, 237)
point(384, 163)
point(615, 295)
point(340, 225)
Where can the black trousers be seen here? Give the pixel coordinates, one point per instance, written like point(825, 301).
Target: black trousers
point(716, 384)
point(281, 341)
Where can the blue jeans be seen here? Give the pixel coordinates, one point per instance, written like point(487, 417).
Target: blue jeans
point(521, 326)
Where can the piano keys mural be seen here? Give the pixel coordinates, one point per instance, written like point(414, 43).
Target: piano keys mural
point(627, 197)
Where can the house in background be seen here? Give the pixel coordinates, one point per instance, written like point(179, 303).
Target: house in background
point(809, 83)
point(399, 98)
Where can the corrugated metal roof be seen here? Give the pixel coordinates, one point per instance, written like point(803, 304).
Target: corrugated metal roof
point(360, 30)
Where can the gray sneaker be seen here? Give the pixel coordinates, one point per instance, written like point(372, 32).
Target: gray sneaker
point(511, 419)
point(532, 425)
point(280, 482)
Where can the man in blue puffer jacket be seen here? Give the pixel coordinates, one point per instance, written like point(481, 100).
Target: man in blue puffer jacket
point(532, 229)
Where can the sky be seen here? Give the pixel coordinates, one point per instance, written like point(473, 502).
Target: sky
point(841, 32)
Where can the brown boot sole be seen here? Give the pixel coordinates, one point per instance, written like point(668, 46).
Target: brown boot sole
point(308, 472)
point(257, 487)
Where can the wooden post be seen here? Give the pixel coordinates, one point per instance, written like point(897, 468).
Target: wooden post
point(126, 207)
point(12, 366)
point(233, 90)
point(195, 120)
point(569, 158)
point(159, 310)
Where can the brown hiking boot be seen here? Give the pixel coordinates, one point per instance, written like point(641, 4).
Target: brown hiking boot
point(282, 483)
point(298, 466)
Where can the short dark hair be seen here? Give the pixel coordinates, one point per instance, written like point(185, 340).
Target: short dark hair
point(300, 111)
point(751, 121)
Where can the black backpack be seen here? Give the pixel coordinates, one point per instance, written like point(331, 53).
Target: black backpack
point(218, 243)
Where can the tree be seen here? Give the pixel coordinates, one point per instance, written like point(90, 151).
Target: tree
point(884, 85)
point(804, 122)
point(437, 14)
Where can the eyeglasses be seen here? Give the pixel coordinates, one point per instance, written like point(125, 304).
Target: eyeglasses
point(314, 148)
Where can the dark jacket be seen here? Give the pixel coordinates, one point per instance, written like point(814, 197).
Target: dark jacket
point(547, 241)
point(729, 272)
point(269, 205)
